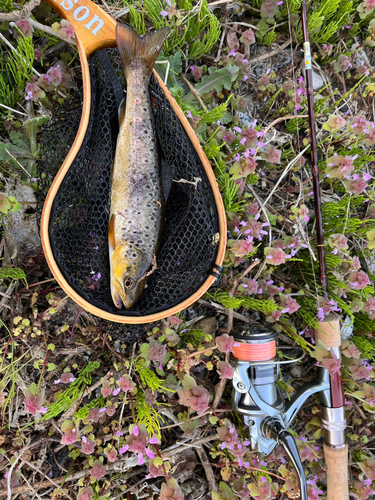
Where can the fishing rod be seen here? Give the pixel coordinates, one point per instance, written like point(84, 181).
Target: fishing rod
point(256, 366)
point(328, 331)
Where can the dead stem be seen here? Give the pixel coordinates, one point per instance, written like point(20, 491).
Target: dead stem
point(194, 92)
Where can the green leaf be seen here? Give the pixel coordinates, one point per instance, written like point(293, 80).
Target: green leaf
point(20, 140)
point(158, 461)
point(5, 204)
point(7, 149)
point(320, 351)
point(32, 124)
point(369, 408)
point(188, 382)
point(51, 367)
point(216, 80)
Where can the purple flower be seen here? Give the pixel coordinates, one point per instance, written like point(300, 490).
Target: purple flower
point(164, 13)
point(320, 314)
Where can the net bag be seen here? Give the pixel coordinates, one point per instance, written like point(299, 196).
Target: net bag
point(79, 216)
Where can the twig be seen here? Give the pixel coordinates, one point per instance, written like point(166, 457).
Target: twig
point(252, 265)
point(19, 164)
point(210, 412)
point(24, 13)
point(9, 494)
point(121, 12)
point(194, 92)
point(32, 466)
point(208, 469)
point(14, 110)
point(270, 54)
point(218, 2)
point(223, 310)
point(217, 59)
point(7, 42)
point(48, 30)
point(247, 6)
point(118, 466)
point(286, 170)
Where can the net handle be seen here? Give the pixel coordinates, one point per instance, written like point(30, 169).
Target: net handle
point(86, 17)
point(94, 28)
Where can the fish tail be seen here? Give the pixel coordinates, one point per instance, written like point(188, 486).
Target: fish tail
point(142, 50)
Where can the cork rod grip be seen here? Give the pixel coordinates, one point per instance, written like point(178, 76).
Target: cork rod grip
point(328, 331)
point(337, 473)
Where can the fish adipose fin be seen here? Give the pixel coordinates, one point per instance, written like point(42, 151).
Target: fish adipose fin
point(138, 50)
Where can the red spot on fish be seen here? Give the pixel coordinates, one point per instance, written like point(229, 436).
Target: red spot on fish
point(137, 119)
point(137, 101)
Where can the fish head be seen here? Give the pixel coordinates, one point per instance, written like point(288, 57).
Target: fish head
point(128, 265)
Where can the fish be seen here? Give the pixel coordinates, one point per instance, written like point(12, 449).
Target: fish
point(137, 200)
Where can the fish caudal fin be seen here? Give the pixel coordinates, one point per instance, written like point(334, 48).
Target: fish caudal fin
point(138, 50)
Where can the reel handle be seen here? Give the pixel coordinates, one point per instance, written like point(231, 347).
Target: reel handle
point(274, 430)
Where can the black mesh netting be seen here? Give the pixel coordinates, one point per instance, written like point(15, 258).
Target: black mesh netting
point(78, 226)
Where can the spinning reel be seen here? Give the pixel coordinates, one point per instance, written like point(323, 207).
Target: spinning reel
point(256, 394)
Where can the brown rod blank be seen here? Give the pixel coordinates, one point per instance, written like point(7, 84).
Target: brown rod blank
point(328, 331)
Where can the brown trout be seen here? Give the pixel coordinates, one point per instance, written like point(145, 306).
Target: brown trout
point(137, 199)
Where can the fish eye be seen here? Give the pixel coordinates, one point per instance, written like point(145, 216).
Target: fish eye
point(129, 283)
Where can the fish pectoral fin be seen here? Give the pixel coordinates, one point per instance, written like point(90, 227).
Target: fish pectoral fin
point(121, 111)
point(111, 234)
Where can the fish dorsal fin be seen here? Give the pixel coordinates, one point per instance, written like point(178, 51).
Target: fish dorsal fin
point(143, 49)
point(111, 234)
point(121, 111)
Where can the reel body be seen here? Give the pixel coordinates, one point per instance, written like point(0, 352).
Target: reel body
point(257, 397)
